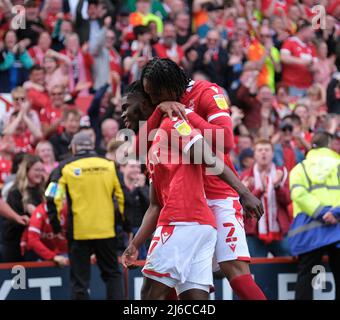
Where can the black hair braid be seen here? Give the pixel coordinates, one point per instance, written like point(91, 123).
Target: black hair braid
point(166, 74)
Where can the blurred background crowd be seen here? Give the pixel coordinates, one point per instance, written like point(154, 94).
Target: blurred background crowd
point(66, 69)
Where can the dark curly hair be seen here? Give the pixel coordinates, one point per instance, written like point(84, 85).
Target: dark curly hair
point(165, 74)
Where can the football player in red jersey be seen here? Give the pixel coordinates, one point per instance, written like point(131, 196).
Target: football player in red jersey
point(174, 207)
point(165, 82)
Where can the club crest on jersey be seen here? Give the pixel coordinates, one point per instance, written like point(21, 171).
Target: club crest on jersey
point(182, 127)
point(221, 102)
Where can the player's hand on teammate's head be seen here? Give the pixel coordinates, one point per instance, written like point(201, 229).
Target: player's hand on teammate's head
point(252, 206)
point(173, 109)
point(129, 256)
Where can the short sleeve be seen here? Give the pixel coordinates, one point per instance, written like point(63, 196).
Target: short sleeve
point(214, 104)
point(287, 47)
point(185, 133)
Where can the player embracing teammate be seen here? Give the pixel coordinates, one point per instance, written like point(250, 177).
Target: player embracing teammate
point(203, 108)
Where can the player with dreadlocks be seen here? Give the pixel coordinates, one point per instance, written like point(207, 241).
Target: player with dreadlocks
point(174, 259)
point(171, 91)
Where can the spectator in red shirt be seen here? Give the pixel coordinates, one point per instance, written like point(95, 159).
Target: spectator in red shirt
point(49, 12)
point(51, 117)
point(307, 8)
point(23, 130)
point(270, 184)
point(270, 7)
point(39, 237)
point(39, 51)
point(19, 96)
point(6, 153)
point(298, 57)
point(36, 91)
point(167, 46)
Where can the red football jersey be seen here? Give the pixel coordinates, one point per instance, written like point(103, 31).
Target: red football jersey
point(207, 100)
point(39, 235)
point(293, 74)
point(24, 142)
point(49, 115)
point(178, 184)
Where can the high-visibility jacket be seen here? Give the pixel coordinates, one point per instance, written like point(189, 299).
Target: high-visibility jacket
point(88, 182)
point(315, 190)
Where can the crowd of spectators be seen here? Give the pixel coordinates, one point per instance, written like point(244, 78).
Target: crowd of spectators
point(66, 68)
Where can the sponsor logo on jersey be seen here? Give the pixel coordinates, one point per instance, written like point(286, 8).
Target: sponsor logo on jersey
point(182, 127)
point(221, 102)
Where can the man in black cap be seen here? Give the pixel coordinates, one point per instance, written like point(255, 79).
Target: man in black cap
point(88, 182)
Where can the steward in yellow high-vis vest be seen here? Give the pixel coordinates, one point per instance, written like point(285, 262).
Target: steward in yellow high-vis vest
point(89, 183)
point(315, 193)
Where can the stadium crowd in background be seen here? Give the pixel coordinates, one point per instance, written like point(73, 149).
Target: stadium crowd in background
point(65, 65)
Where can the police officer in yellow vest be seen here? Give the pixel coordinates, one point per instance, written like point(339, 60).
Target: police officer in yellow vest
point(315, 192)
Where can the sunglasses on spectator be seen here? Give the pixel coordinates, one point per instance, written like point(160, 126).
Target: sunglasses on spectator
point(266, 36)
point(57, 93)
